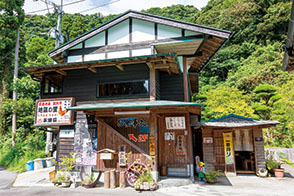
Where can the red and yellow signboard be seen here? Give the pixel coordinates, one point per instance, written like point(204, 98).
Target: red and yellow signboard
point(52, 112)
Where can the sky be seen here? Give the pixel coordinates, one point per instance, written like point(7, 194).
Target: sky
point(107, 6)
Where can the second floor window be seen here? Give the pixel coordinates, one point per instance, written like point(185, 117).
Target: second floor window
point(123, 88)
point(53, 84)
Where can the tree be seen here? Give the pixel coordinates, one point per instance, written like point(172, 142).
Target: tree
point(11, 17)
point(266, 96)
point(222, 101)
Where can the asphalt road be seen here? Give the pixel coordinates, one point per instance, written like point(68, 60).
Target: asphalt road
point(42, 191)
point(6, 178)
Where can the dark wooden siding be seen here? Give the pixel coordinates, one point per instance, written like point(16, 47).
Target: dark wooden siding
point(82, 83)
point(65, 146)
point(171, 87)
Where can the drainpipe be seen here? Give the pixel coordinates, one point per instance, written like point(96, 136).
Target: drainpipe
point(289, 41)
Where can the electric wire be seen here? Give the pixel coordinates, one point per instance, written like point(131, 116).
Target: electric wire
point(66, 4)
point(111, 2)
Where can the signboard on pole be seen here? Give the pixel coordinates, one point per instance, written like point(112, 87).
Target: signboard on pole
point(52, 112)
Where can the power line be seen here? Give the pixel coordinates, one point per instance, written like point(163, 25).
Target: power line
point(111, 2)
point(53, 7)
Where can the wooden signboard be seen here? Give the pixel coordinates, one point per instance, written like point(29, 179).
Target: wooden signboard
point(52, 112)
point(207, 140)
point(180, 150)
point(106, 156)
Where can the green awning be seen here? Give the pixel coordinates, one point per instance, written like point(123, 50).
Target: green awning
point(159, 103)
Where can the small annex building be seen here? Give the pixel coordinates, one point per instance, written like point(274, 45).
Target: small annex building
point(124, 89)
point(234, 144)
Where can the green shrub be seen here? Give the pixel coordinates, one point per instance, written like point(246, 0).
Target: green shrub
point(211, 175)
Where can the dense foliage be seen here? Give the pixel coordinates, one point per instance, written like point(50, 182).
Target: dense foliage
point(244, 77)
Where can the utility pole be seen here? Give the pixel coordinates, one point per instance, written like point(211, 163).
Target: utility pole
point(15, 75)
point(59, 40)
point(59, 37)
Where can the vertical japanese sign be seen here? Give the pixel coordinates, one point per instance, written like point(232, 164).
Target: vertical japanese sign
point(229, 150)
point(180, 150)
point(53, 112)
point(152, 146)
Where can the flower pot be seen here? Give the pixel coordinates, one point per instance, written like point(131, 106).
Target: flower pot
point(262, 172)
point(65, 184)
point(146, 186)
point(279, 173)
point(211, 180)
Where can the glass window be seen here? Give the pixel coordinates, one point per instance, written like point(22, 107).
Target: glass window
point(53, 84)
point(123, 88)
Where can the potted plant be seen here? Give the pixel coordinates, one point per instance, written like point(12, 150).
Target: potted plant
point(63, 177)
point(211, 175)
point(90, 182)
point(145, 182)
point(274, 166)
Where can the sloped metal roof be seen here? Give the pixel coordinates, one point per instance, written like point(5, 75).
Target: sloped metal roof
point(157, 103)
point(233, 120)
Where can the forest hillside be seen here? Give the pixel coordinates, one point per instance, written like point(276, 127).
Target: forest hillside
point(244, 78)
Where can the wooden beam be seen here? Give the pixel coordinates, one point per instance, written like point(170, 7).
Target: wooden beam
point(92, 69)
point(160, 66)
point(185, 78)
point(149, 64)
point(60, 72)
point(152, 85)
point(120, 67)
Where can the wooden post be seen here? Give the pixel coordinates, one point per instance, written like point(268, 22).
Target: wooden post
point(106, 179)
point(185, 82)
point(153, 133)
point(112, 179)
point(152, 84)
point(189, 144)
point(117, 179)
point(122, 179)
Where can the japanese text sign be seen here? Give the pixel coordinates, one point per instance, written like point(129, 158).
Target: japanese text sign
point(175, 122)
point(53, 112)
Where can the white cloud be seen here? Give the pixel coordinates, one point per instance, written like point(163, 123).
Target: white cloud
point(114, 8)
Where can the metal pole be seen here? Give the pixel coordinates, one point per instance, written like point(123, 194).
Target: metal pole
point(15, 75)
point(59, 21)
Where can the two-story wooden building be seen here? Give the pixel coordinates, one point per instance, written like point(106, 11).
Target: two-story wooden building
point(126, 86)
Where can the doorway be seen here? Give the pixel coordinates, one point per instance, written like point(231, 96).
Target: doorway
point(197, 144)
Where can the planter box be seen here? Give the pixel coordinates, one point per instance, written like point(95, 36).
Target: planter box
point(146, 186)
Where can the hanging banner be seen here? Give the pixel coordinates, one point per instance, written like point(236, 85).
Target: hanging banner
point(50, 112)
point(228, 147)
